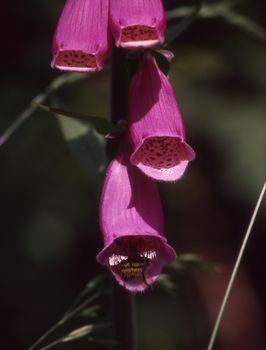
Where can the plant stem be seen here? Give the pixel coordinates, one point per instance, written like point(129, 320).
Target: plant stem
point(123, 301)
point(44, 336)
point(235, 270)
point(124, 318)
point(119, 85)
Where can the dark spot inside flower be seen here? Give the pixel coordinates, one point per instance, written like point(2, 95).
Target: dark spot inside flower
point(162, 152)
point(138, 33)
point(75, 59)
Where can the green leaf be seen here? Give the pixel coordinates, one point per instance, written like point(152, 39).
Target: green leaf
point(93, 284)
point(187, 261)
point(222, 9)
point(103, 126)
point(175, 30)
point(79, 309)
point(85, 142)
point(91, 311)
point(164, 282)
point(88, 148)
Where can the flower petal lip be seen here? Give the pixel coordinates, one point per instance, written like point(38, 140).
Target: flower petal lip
point(161, 253)
point(131, 221)
point(155, 125)
point(137, 23)
point(82, 38)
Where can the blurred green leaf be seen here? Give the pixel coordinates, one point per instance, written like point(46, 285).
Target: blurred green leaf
point(103, 126)
point(222, 9)
point(56, 84)
point(164, 282)
point(82, 307)
point(91, 311)
point(183, 262)
point(88, 148)
point(246, 24)
point(188, 261)
point(175, 30)
point(88, 289)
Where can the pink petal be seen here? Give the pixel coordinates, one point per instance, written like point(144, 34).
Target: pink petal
point(155, 125)
point(131, 219)
point(137, 23)
point(82, 39)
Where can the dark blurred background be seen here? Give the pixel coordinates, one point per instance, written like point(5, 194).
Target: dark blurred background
point(51, 171)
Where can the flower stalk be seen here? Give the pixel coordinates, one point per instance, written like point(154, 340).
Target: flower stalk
point(124, 314)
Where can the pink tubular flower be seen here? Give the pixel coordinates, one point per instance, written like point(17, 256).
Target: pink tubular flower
point(81, 40)
point(137, 23)
point(131, 221)
point(155, 125)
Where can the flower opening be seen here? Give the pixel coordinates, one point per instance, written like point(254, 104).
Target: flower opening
point(155, 125)
point(136, 261)
point(82, 39)
point(137, 24)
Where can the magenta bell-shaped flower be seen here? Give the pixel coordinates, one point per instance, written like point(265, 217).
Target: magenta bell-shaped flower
point(155, 125)
point(82, 39)
point(137, 23)
point(131, 220)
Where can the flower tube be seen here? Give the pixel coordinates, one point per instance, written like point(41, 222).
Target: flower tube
point(82, 39)
point(137, 23)
point(131, 220)
point(155, 125)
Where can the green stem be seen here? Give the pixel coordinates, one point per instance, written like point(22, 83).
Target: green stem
point(53, 344)
point(235, 270)
point(123, 301)
point(44, 336)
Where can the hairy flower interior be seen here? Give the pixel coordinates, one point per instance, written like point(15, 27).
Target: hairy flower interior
point(130, 259)
point(162, 152)
point(132, 249)
point(117, 259)
point(75, 59)
point(138, 33)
